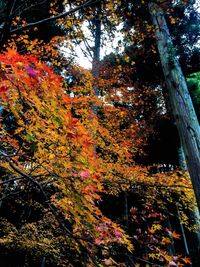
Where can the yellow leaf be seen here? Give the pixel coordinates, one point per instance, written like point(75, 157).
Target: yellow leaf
point(51, 156)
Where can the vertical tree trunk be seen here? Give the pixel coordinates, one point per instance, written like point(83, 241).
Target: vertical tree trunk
point(181, 103)
point(97, 47)
point(97, 41)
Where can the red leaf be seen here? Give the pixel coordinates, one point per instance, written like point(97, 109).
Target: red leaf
point(3, 88)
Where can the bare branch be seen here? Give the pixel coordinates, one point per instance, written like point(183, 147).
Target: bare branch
point(12, 8)
point(27, 8)
point(87, 53)
point(88, 47)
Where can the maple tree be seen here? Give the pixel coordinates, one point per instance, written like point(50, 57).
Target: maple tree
point(47, 147)
point(32, 115)
point(49, 150)
point(131, 114)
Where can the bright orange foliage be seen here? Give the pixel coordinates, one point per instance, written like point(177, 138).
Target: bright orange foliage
point(50, 144)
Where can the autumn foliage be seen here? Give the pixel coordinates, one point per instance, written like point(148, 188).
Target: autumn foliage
point(49, 148)
point(57, 154)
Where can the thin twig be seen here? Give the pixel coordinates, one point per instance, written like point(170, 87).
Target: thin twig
point(27, 8)
point(11, 180)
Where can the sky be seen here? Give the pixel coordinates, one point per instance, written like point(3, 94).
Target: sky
point(105, 49)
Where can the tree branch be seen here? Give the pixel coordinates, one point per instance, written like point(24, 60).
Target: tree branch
point(161, 185)
point(55, 213)
point(155, 185)
point(27, 8)
point(9, 195)
point(59, 16)
point(11, 180)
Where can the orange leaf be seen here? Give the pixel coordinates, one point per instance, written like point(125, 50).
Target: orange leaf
point(187, 260)
point(175, 235)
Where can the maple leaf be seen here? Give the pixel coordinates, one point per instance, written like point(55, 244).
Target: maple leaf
point(133, 210)
point(175, 235)
point(84, 174)
point(151, 230)
point(3, 88)
point(165, 241)
point(186, 260)
point(12, 52)
point(152, 255)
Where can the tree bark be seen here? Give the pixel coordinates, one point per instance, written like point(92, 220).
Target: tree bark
point(97, 47)
point(180, 100)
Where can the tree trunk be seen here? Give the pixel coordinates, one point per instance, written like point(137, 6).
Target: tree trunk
point(181, 103)
point(97, 47)
point(97, 41)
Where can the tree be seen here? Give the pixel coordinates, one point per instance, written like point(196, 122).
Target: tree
point(63, 177)
point(180, 100)
point(17, 15)
point(42, 155)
